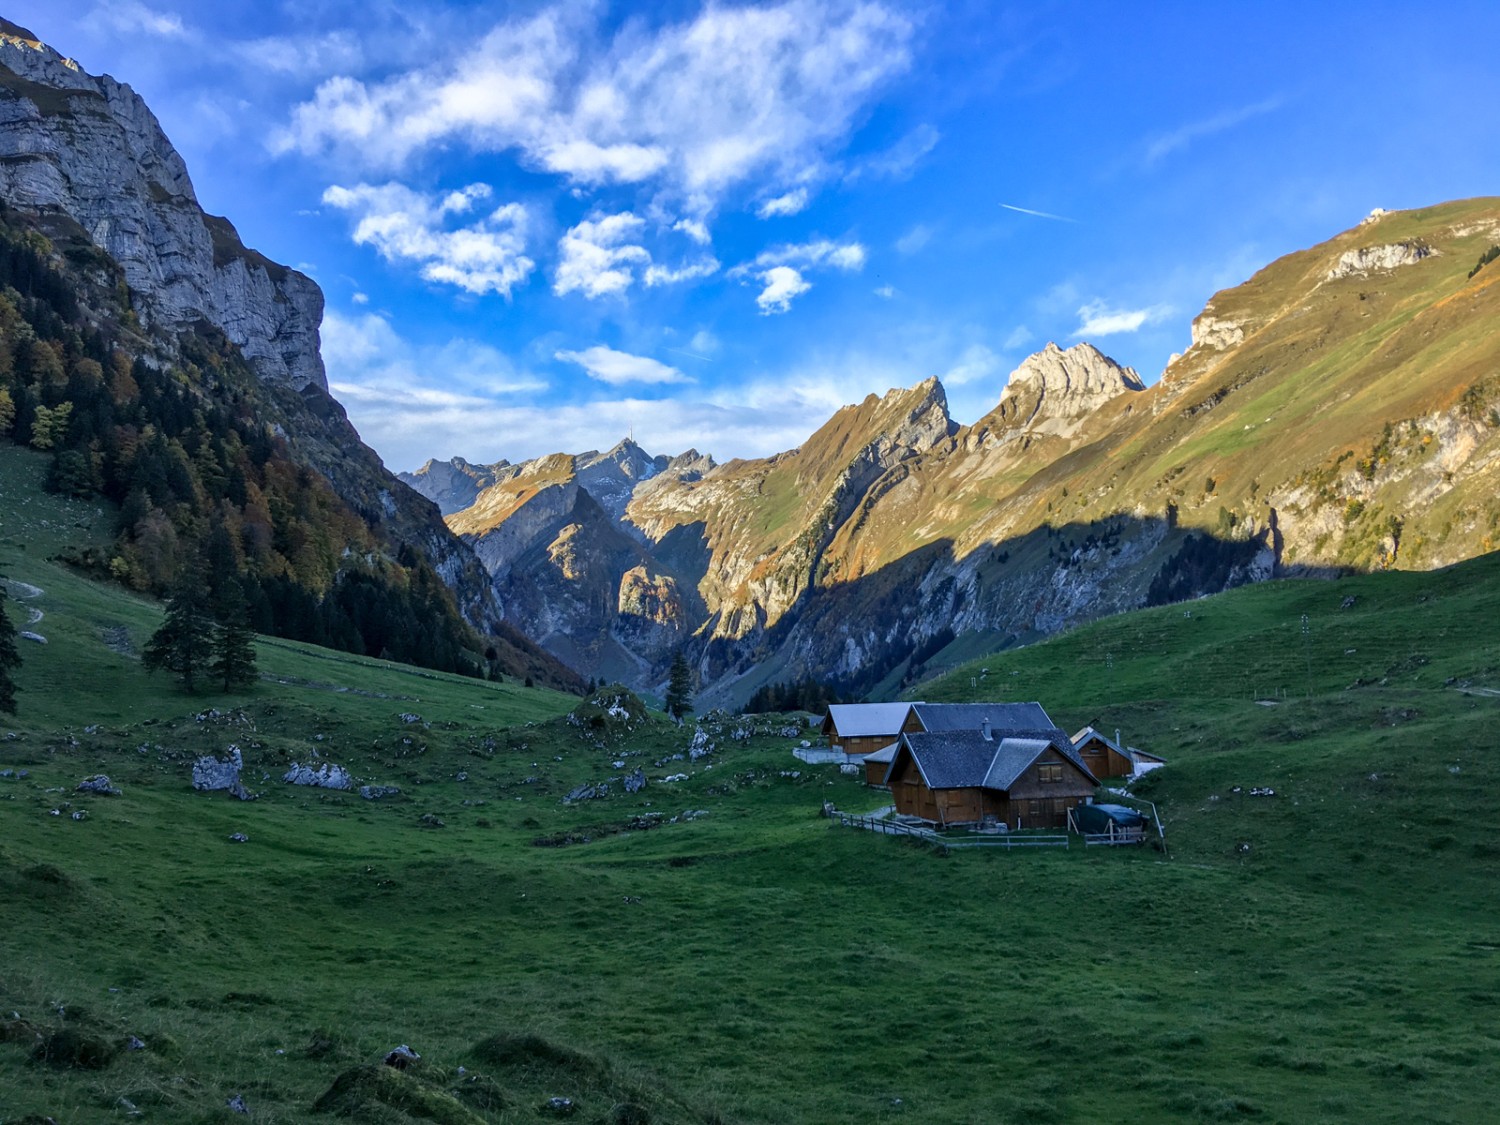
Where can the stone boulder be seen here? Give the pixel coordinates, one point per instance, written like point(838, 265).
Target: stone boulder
point(211, 774)
point(324, 776)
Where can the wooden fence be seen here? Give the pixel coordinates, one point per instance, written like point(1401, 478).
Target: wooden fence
point(999, 840)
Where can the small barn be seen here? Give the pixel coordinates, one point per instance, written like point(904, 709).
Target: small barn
point(1110, 757)
point(1021, 778)
point(862, 728)
point(876, 764)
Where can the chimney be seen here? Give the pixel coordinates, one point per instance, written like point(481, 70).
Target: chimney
point(1118, 743)
point(984, 729)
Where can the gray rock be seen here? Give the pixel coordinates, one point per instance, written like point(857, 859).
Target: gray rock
point(236, 1104)
point(402, 1057)
point(378, 792)
point(587, 793)
point(27, 635)
point(90, 148)
point(325, 776)
point(238, 838)
point(212, 774)
point(99, 784)
point(635, 781)
point(431, 820)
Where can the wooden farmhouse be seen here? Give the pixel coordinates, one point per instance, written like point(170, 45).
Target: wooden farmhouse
point(862, 728)
point(1020, 778)
point(1109, 757)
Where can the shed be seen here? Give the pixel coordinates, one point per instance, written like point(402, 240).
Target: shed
point(877, 762)
point(862, 728)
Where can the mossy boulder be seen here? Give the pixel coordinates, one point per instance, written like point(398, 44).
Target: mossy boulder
point(357, 1091)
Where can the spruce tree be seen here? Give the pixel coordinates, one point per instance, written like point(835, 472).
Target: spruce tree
point(233, 661)
point(184, 644)
point(679, 688)
point(9, 659)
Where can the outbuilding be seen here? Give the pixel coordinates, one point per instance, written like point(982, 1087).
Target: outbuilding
point(862, 728)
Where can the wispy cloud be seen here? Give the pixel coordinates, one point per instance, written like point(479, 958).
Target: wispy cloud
point(483, 256)
point(788, 204)
point(1037, 214)
point(604, 255)
point(975, 364)
point(781, 269)
point(902, 158)
point(1099, 319)
point(133, 17)
point(1181, 138)
point(616, 368)
point(572, 101)
point(914, 240)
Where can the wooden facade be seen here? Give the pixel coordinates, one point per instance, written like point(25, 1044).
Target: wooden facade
point(863, 728)
point(1103, 757)
point(1038, 796)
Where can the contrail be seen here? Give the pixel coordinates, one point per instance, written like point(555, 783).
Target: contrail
point(691, 355)
point(1038, 214)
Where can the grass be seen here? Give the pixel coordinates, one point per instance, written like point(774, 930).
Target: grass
point(1331, 953)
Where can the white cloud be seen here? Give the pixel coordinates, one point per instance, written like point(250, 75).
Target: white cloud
point(704, 342)
point(303, 56)
point(695, 229)
point(1180, 138)
point(886, 291)
point(132, 17)
point(976, 363)
point(616, 368)
point(1020, 337)
point(603, 255)
point(901, 158)
point(1098, 319)
point(486, 256)
point(780, 269)
point(361, 298)
point(788, 204)
point(598, 256)
point(783, 284)
point(789, 82)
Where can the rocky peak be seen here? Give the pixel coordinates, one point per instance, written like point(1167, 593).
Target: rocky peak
point(1054, 390)
point(454, 484)
point(88, 147)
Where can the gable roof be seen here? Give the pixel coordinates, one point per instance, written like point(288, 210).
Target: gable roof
point(884, 754)
point(861, 720)
point(971, 716)
point(1090, 732)
point(965, 759)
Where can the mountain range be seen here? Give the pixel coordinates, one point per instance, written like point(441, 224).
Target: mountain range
point(1340, 409)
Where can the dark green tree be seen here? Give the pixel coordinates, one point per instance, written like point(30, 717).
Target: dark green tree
point(233, 662)
point(679, 688)
point(184, 645)
point(10, 659)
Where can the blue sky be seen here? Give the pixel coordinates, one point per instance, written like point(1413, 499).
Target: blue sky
point(542, 225)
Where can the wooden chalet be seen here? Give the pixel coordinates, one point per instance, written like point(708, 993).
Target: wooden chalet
point(1110, 757)
point(876, 764)
point(931, 717)
point(862, 728)
point(1022, 778)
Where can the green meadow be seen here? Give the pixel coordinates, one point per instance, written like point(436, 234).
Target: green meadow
point(710, 949)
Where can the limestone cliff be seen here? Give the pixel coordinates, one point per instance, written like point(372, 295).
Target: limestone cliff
point(89, 148)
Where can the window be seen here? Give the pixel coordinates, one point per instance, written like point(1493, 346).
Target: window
point(1049, 772)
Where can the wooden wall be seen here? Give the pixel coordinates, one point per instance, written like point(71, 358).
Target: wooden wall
point(1105, 761)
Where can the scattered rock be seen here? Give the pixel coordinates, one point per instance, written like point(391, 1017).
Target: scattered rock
point(211, 774)
point(135, 1043)
point(378, 792)
point(325, 776)
point(239, 838)
point(430, 820)
point(236, 1104)
point(587, 793)
point(81, 814)
point(1348, 602)
point(99, 783)
point(402, 1057)
point(559, 1107)
point(635, 781)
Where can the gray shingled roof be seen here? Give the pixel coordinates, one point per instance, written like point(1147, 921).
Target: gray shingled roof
point(860, 720)
point(964, 759)
point(971, 716)
point(884, 754)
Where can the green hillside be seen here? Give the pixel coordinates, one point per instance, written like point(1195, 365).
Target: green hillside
point(710, 949)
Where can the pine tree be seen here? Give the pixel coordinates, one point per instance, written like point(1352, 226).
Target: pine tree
point(233, 640)
point(679, 688)
point(185, 642)
point(9, 659)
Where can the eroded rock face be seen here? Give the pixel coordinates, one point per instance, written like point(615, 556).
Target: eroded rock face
point(1053, 389)
point(89, 148)
point(1378, 259)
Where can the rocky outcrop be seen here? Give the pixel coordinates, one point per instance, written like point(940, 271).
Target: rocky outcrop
point(1053, 390)
point(1378, 259)
point(88, 148)
point(452, 485)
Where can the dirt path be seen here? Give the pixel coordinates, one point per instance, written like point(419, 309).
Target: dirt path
point(25, 591)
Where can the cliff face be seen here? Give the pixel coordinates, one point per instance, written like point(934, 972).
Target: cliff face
point(88, 147)
point(85, 162)
point(1341, 408)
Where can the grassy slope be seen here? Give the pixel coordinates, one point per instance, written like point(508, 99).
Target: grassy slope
point(757, 963)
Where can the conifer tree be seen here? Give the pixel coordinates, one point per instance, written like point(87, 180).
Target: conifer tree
point(185, 642)
point(679, 700)
point(9, 659)
point(233, 661)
